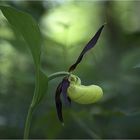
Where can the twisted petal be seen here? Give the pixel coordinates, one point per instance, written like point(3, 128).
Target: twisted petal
point(58, 102)
point(90, 45)
point(65, 85)
point(62, 88)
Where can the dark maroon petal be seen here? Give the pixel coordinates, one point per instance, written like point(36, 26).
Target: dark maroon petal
point(90, 45)
point(62, 88)
point(58, 102)
point(65, 85)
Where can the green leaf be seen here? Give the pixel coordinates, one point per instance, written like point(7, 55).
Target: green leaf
point(42, 87)
point(26, 25)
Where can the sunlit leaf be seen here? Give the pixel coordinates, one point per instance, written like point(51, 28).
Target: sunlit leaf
point(65, 28)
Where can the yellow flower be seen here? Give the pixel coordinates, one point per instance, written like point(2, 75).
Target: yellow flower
point(83, 94)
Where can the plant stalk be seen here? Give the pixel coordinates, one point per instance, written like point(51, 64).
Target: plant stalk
point(28, 122)
point(57, 74)
point(33, 105)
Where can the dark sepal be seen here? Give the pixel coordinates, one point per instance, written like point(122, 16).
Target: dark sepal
point(58, 102)
point(90, 45)
point(65, 85)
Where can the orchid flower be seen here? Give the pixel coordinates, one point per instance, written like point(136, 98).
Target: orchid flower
point(70, 86)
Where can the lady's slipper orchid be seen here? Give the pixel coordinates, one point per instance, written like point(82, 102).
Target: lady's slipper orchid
point(71, 87)
point(83, 94)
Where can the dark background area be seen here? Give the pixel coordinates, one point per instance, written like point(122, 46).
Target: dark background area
point(114, 64)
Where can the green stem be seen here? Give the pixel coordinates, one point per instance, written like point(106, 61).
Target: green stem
point(57, 74)
point(32, 106)
point(28, 122)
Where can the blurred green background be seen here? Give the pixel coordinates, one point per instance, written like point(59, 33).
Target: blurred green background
point(114, 64)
